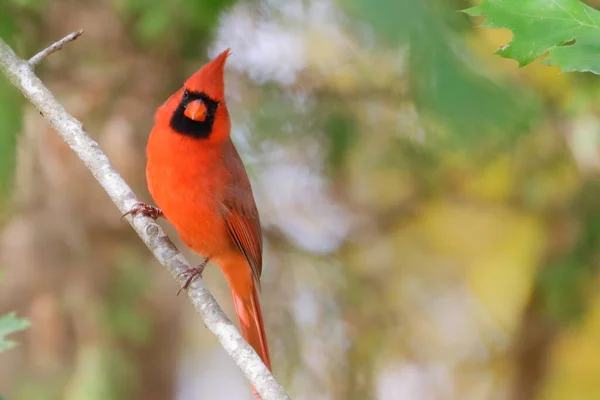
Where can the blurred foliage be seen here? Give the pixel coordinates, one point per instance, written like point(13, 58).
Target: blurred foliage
point(11, 104)
point(11, 118)
point(12, 14)
point(102, 372)
point(10, 323)
point(567, 283)
point(123, 310)
point(31, 4)
point(8, 26)
point(572, 44)
point(340, 127)
point(183, 23)
point(474, 109)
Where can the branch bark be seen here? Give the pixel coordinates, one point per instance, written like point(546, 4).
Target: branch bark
point(20, 74)
point(39, 57)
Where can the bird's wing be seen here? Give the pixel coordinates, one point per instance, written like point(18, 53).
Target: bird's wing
point(243, 225)
point(240, 213)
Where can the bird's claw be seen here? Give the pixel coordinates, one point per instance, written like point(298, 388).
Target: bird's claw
point(144, 209)
point(192, 274)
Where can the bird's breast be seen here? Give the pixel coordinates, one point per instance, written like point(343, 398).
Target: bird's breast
point(187, 183)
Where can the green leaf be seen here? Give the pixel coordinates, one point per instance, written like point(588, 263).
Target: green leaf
point(568, 30)
point(9, 323)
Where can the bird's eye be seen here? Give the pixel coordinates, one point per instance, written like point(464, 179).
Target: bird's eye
point(186, 94)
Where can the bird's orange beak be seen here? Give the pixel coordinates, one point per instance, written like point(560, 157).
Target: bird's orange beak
point(196, 110)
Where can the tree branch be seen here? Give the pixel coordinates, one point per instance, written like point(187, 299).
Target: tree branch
point(39, 57)
point(21, 75)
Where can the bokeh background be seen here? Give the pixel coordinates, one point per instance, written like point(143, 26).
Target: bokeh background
point(431, 212)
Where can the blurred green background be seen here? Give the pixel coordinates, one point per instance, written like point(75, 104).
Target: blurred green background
point(431, 212)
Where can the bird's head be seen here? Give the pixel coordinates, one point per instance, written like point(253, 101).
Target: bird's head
point(199, 108)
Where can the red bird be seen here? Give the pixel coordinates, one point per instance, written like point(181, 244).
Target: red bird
point(197, 179)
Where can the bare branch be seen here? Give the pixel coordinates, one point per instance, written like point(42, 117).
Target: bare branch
point(20, 73)
point(35, 60)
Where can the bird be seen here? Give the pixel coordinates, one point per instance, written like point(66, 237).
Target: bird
point(200, 185)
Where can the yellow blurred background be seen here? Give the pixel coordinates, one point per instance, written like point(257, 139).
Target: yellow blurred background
point(431, 212)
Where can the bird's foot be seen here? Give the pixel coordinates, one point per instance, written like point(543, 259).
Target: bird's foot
point(144, 209)
point(193, 274)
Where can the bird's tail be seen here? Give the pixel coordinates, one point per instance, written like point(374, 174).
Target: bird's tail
point(247, 308)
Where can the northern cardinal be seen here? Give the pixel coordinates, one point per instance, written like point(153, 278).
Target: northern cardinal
point(197, 179)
